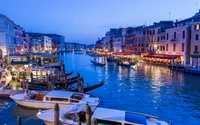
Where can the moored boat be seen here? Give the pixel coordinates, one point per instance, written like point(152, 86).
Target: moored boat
point(47, 101)
point(98, 63)
point(110, 58)
point(73, 114)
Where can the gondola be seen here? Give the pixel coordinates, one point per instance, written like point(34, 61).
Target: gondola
point(98, 64)
point(128, 64)
point(72, 78)
point(89, 87)
point(110, 59)
point(68, 74)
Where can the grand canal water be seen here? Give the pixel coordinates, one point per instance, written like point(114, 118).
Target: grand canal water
point(147, 89)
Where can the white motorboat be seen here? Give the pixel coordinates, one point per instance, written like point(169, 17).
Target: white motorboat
point(69, 116)
point(103, 116)
point(47, 101)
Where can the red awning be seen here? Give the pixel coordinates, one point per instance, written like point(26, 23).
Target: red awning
point(163, 56)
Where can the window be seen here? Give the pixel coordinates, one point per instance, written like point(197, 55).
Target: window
point(183, 34)
point(174, 35)
point(153, 31)
point(158, 38)
point(195, 49)
point(163, 37)
point(163, 48)
point(108, 122)
point(197, 37)
point(174, 47)
point(158, 30)
point(142, 49)
point(167, 36)
point(197, 27)
point(166, 47)
point(183, 46)
point(157, 47)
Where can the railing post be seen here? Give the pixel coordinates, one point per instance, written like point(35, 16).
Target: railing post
point(19, 120)
point(56, 114)
point(88, 115)
point(79, 123)
point(24, 77)
point(94, 122)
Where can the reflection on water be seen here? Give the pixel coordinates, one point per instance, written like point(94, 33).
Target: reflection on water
point(22, 111)
point(146, 88)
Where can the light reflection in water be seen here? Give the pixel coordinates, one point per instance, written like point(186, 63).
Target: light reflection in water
point(147, 89)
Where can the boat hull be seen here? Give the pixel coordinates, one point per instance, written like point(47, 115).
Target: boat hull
point(40, 104)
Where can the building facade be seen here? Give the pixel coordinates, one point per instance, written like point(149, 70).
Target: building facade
point(195, 44)
point(7, 36)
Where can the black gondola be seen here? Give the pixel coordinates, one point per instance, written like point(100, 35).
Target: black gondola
point(89, 87)
point(68, 74)
point(98, 64)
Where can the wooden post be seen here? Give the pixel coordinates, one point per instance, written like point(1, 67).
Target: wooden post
point(24, 77)
point(31, 77)
point(19, 120)
point(94, 122)
point(82, 86)
point(88, 115)
point(78, 81)
point(79, 123)
point(56, 114)
point(27, 87)
point(36, 74)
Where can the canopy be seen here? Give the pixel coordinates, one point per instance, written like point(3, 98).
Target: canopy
point(163, 56)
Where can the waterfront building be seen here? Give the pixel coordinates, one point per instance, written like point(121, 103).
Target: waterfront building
point(90, 47)
point(74, 46)
point(22, 40)
point(58, 41)
point(178, 42)
point(7, 36)
point(128, 39)
point(99, 45)
point(195, 45)
point(117, 44)
point(152, 36)
point(46, 44)
point(107, 42)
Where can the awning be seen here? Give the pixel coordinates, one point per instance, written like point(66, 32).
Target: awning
point(163, 56)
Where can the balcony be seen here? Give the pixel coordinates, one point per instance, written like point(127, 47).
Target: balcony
point(196, 52)
point(174, 40)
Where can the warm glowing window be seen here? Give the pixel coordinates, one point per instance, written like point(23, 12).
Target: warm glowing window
point(197, 27)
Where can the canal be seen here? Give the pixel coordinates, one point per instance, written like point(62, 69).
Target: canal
point(145, 88)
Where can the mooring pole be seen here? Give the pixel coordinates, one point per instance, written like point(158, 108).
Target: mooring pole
point(88, 115)
point(56, 114)
point(19, 120)
point(94, 122)
point(24, 77)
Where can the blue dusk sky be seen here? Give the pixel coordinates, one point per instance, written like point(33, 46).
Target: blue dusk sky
point(85, 20)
